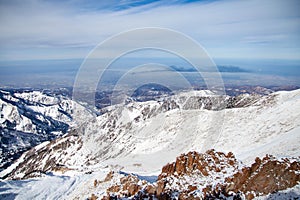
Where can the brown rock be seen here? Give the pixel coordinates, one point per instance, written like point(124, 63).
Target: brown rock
point(249, 196)
point(192, 188)
point(150, 189)
point(264, 176)
point(114, 188)
point(180, 165)
point(105, 198)
point(93, 197)
point(168, 169)
point(109, 176)
point(182, 196)
point(207, 190)
point(186, 164)
point(129, 178)
point(230, 155)
point(160, 187)
point(132, 188)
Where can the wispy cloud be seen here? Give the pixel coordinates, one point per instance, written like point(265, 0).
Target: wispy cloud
point(47, 29)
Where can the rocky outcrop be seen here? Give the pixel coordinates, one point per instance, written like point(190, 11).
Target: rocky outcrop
point(210, 162)
point(193, 172)
point(220, 102)
point(42, 159)
point(129, 185)
point(212, 175)
point(264, 176)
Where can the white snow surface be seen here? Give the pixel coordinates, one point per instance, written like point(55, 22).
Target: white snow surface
point(50, 186)
point(144, 145)
point(55, 107)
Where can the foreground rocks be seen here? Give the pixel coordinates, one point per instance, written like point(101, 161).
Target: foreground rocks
point(211, 175)
point(264, 176)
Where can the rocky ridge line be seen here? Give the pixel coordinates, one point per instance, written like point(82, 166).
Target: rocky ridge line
point(211, 175)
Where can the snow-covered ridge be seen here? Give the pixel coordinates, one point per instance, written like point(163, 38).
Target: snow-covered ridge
point(31, 117)
point(141, 137)
point(23, 110)
point(136, 134)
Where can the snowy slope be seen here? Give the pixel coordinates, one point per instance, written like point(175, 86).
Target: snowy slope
point(28, 111)
point(30, 117)
point(50, 186)
point(141, 137)
point(273, 128)
point(247, 132)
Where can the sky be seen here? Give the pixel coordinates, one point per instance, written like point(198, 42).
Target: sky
point(252, 29)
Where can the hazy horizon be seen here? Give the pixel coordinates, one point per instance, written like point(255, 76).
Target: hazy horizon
point(62, 73)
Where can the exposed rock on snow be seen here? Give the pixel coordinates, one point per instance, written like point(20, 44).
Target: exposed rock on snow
point(265, 176)
point(212, 175)
point(65, 148)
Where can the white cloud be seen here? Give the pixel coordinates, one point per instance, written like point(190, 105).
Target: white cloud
point(225, 28)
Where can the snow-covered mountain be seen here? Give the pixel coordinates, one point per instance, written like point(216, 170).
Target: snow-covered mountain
point(29, 118)
point(141, 137)
point(161, 130)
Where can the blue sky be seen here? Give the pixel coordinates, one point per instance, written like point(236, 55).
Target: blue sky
point(253, 29)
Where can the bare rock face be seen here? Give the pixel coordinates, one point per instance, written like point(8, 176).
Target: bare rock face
point(109, 176)
point(192, 172)
point(93, 197)
point(212, 175)
point(150, 189)
point(192, 162)
point(129, 185)
point(265, 176)
point(41, 160)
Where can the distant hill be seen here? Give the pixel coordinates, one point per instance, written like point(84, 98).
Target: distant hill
point(221, 68)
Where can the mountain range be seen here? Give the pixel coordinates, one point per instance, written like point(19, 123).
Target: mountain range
point(52, 138)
